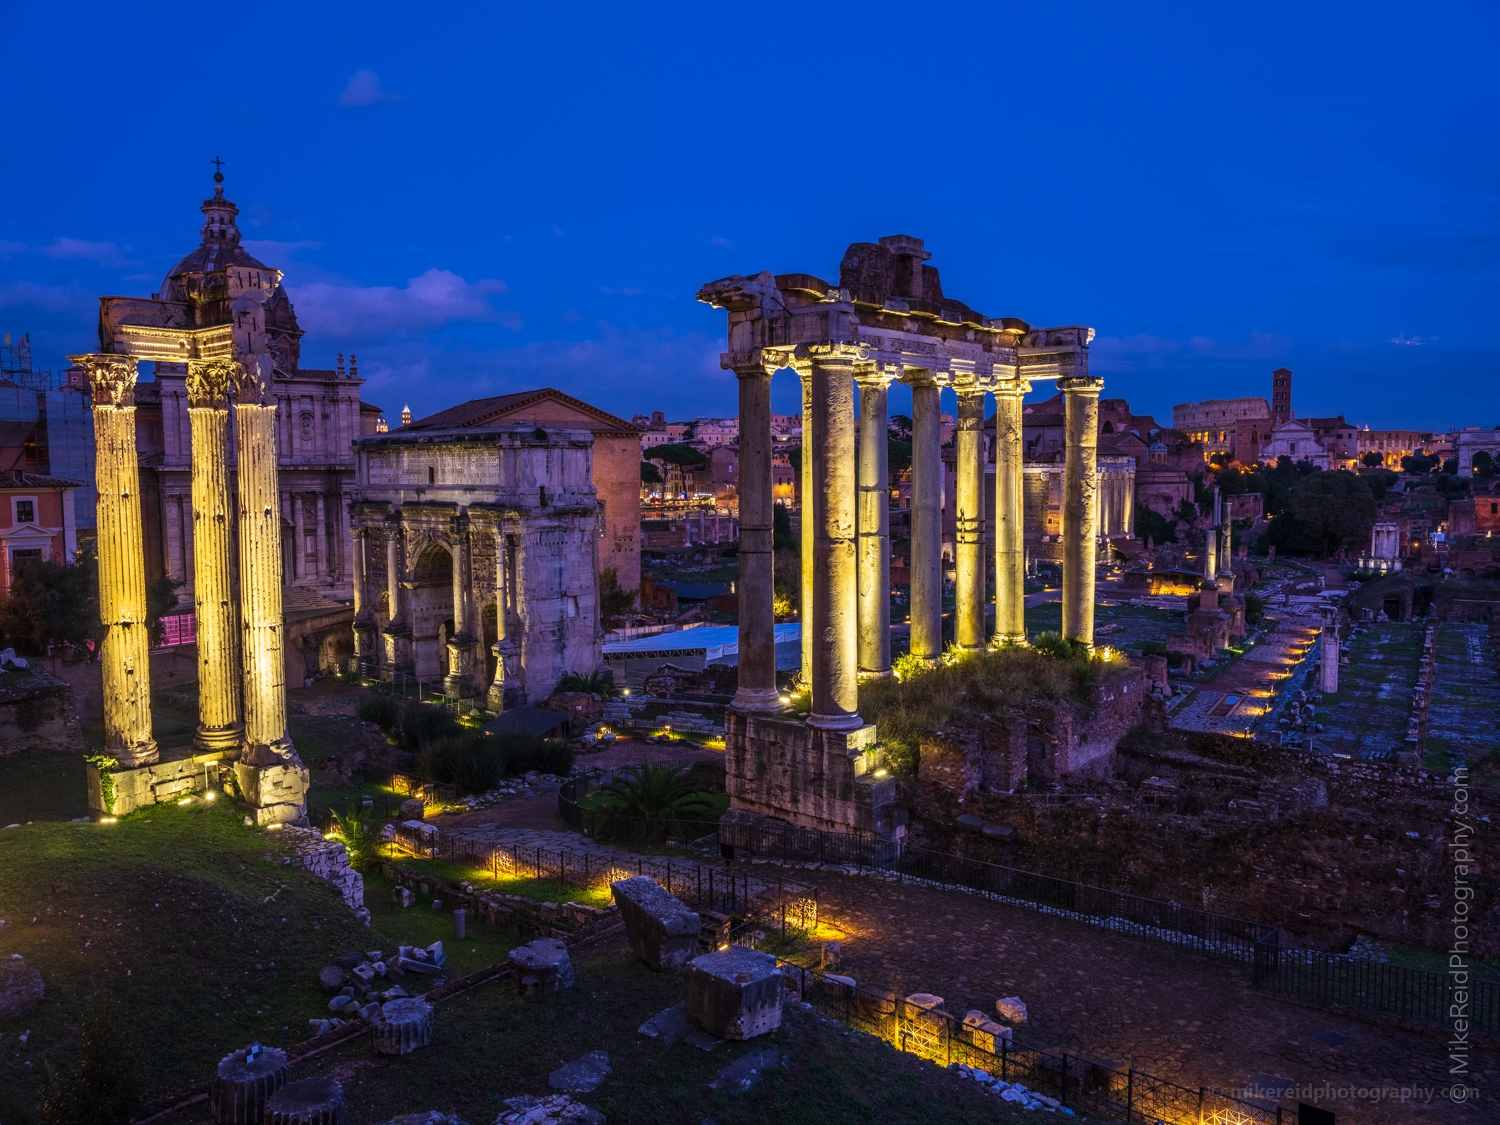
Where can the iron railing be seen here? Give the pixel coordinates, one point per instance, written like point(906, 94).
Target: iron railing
point(1089, 1088)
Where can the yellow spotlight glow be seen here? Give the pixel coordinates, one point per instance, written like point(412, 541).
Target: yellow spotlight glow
point(881, 772)
point(273, 828)
point(210, 795)
point(108, 819)
point(185, 801)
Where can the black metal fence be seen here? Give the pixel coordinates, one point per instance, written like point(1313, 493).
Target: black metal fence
point(1418, 996)
point(1086, 1087)
point(1200, 930)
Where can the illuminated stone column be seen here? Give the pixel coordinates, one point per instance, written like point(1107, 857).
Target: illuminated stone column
point(874, 548)
point(366, 648)
point(805, 524)
point(124, 655)
point(835, 685)
point(462, 680)
point(926, 520)
point(757, 628)
point(1010, 522)
point(220, 726)
point(397, 633)
point(968, 543)
point(1080, 514)
point(505, 689)
point(272, 779)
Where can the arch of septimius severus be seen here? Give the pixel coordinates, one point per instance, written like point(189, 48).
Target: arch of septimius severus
point(219, 330)
point(886, 320)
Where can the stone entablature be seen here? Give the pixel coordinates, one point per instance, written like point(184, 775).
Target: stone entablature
point(476, 559)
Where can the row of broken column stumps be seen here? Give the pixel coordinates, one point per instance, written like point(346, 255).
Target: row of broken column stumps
point(242, 691)
point(796, 321)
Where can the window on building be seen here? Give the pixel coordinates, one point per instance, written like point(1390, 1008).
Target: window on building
point(25, 553)
point(26, 511)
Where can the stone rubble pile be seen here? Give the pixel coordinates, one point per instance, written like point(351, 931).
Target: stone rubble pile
point(328, 860)
point(530, 785)
point(692, 721)
point(557, 1109)
point(1012, 1092)
point(355, 993)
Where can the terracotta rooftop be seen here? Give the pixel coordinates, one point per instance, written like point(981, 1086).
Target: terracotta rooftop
point(19, 478)
point(481, 412)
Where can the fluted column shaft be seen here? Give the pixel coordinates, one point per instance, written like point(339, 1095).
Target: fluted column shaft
point(874, 550)
point(926, 521)
point(1010, 522)
point(220, 726)
point(1080, 504)
point(461, 682)
point(757, 629)
point(125, 654)
point(835, 686)
point(968, 541)
point(805, 523)
point(266, 740)
point(495, 699)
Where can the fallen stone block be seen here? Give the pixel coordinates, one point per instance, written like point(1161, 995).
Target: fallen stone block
point(831, 956)
point(316, 1028)
point(834, 984)
point(364, 974)
point(673, 1026)
point(330, 979)
point(546, 963)
point(435, 953)
point(403, 896)
point(424, 968)
point(985, 1033)
point(1012, 1009)
point(582, 1075)
point(244, 1081)
point(745, 1072)
point(400, 1027)
point(734, 994)
point(555, 1109)
point(340, 1002)
point(312, 1101)
point(663, 932)
point(412, 808)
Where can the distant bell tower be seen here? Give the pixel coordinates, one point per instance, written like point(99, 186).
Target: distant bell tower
point(1281, 396)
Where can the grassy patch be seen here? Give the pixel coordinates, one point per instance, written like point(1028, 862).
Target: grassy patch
point(490, 1044)
point(541, 890)
point(196, 924)
point(908, 710)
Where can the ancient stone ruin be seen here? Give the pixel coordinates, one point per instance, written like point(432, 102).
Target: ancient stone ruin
point(886, 320)
point(663, 932)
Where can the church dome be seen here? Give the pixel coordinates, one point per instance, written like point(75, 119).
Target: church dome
point(220, 248)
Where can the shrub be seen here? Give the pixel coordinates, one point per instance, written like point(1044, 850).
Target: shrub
point(422, 723)
point(644, 796)
point(1255, 609)
point(470, 761)
point(556, 757)
point(595, 683)
point(1064, 648)
point(355, 829)
point(98, 1088)
point(381, 710)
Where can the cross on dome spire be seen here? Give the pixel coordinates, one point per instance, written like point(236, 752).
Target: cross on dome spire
point(219, 214)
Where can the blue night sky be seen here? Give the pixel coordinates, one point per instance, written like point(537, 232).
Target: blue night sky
point(481, 198)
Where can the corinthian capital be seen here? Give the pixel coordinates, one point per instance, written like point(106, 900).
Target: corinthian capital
point(252, 381)
point(833, 352)
point(208, 382)
point(111, 378)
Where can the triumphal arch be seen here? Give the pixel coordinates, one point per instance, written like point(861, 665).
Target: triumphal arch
point(886, 320)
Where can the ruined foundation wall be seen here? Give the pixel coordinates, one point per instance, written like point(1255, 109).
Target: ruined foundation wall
point(785, 769)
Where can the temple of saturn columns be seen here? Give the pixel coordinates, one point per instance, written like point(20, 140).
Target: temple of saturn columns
point(218, 330)
point(886, 320)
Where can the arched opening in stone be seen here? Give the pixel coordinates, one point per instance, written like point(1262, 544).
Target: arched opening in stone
point(431, 610)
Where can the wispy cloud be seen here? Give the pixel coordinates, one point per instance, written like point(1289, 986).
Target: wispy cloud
point(105, 253)
point(269, 250)
point(615, 370)
point(436, 298)
point(364, 89)
point(1126, 353)
point(716, 240)
point(46, 298)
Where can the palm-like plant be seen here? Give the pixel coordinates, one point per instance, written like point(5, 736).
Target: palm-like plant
point(660, 794)
point(595, 683)
point(355, 829)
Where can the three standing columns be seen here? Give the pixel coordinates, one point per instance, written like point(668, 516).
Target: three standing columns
point(835, 700)
point(219, 673)
point(124, 656)
point(266, 741)
point(1080, 514)
point(873, 525)
point(1010, 522)
point(757, 630)
point(968, 540)
point(926, 520)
